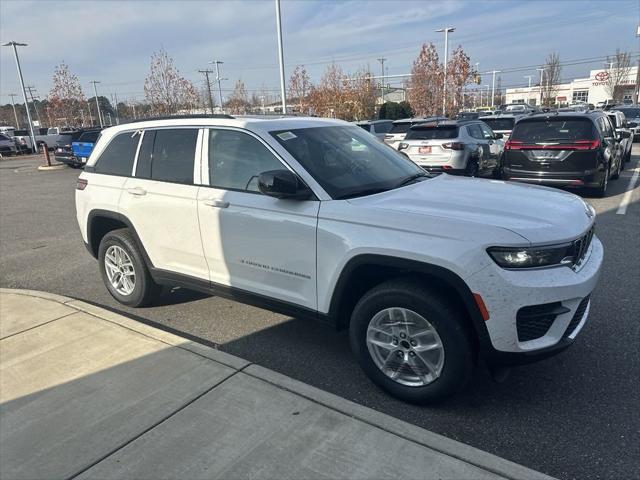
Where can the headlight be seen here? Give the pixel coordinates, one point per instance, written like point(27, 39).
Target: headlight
point(532, 257)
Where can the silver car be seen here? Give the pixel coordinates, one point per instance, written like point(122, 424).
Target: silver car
point(625, 135)
point(463, 147)
point(376, 127)
point(7, 146)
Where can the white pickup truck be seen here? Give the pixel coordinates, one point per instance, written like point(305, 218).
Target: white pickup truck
point(44, 136)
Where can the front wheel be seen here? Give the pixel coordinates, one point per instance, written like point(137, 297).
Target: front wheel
point(411, 342)
point(123, 269)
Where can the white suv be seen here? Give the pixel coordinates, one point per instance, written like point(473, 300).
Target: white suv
point(316, 218)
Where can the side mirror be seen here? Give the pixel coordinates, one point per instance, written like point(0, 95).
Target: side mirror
point(283, 184)
point(498, 136)
point(624, 134)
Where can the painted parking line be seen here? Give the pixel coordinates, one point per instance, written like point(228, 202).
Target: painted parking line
point(624, 203)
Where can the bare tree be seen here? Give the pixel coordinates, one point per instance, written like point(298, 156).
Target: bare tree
point(551, 80)
point(238, 102)
point(459, 72)
point(166, 89)
point(299, 88)
point(66, 98)
point(619, 75)
point(425, 86)
point(360, 95)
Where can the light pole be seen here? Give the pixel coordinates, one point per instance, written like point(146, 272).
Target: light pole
point(488, 87)
point(382, 60)
point(541, 70)
point(13, 104)
point(446, 31)
point(95, 90)
point(218, 79)
point(493, 86)
point(528, 91)
point(34, 146)
point(281, 58)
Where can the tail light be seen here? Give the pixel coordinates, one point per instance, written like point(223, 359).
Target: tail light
point(575, 145)
point(453, 146)
point(82, 183)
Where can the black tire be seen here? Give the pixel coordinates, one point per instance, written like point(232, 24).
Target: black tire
point(616, 175)
point(601, 191)
point(627, 157)
point(443, 316)
point(145, 289)
point(472, 168)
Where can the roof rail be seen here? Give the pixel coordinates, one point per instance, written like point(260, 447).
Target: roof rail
point(180, 117)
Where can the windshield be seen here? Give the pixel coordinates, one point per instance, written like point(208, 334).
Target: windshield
point(89, 137)
point(440, 132)
point(500, 123)
point(400, 127)
point(346, 161)
point(630, 112)
point(553, 130)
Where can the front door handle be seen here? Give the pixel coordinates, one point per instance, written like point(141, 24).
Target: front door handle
point(212, 202)
point(137, 191)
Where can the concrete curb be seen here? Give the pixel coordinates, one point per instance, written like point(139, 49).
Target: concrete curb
point(46, 168)
point(433, 441)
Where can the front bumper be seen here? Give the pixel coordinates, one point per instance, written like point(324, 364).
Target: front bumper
point(505, 292)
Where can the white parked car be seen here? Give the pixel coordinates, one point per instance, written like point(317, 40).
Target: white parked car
point(400, 128)
point(317, 219)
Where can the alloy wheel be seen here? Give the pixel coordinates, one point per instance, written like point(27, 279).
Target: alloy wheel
point(120, 271)
point(405, 346)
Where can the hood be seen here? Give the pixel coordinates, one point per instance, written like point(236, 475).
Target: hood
point(541, 215)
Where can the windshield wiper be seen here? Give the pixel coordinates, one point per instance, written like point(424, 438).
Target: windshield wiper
point(362, 193)
point(411, 178)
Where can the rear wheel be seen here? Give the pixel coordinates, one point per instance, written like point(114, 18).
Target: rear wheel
point(411, 342)
point(601, 191)
point(123, 270)
point(472, 167)
point(616, 175)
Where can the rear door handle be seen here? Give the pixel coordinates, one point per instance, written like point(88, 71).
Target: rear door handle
point(137, 191)
point(212, 202)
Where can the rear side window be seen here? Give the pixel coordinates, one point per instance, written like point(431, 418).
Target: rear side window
point(117, 157)
point(500, 123)
point(614, 120)
point(433, 133)
point(553, 130)
point(168, 155)
point(383, 127)
point(400, 127)
point(475, 131)
point(365, 126)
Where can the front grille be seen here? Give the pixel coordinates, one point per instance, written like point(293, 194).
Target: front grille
point(581, 246)
point(575, 321)
point(535, 321)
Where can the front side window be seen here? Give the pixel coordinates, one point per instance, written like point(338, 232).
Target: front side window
point(172, 156)
point(237, 159)
point(117, 158)
point(347, 162)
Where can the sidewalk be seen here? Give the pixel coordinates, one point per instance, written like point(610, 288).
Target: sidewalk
point(88, 393)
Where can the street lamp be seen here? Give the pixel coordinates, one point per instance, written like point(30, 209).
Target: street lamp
point(541, 70)
point(446, 31)
point(95, 91)
point(488, 87)
point(281, 58)
point(24, 93)
point(528, 91)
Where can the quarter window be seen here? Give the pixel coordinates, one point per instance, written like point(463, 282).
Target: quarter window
point(475, 131)
point(236, 160)
point(117, 157)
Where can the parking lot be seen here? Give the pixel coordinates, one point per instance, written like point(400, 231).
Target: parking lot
point(572, 416)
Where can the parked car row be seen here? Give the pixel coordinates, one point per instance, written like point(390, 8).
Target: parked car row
point(573, 149)
point(74, 148)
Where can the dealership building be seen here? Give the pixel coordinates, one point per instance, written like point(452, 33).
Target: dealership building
point(592, 89)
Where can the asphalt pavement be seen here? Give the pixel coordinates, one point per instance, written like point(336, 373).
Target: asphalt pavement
point(572, 416)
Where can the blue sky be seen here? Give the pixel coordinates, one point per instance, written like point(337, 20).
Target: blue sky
point(112, 41)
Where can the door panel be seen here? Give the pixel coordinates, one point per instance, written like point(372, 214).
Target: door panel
point(251, 241)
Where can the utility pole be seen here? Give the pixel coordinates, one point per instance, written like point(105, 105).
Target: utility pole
point(488, 87)
point(15, 115)
point(382, 60)
point(90, 116)
point(82, 115)
point(24, 93)
point(493, 86)
point(95, 91)
point(133, 105)
point(541, 70)
point(528, 91)
point(206, 76)
point(283, 93)
point(218, 79)
point(114, 99)
point(446, 53)
point(32, 89)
